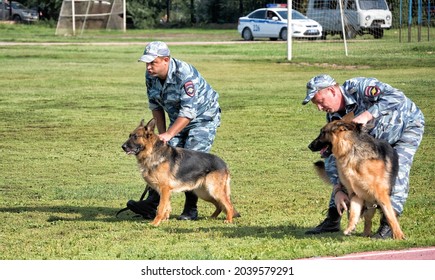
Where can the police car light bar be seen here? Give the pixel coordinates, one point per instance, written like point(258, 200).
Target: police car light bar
point(276, 5)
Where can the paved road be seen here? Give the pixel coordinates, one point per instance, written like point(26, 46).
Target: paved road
point(427, 253)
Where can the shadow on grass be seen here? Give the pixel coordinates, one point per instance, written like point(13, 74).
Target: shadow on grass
point(107, 214)
point(74, 213)
point(269, 232)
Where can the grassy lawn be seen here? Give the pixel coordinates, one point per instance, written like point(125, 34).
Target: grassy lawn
point(66, 109)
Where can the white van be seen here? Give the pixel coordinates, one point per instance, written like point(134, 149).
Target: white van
point(360, 17)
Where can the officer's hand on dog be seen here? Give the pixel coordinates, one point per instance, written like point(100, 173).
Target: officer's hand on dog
point(363, 118)
point(341, 202)
point(165, 137)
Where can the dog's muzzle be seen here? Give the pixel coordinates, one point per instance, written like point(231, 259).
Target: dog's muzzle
point(131, 151)
point(325, 149)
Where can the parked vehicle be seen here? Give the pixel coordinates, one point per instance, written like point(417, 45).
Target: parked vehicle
point(271, 22)
point(360, 17)
point(20, 13)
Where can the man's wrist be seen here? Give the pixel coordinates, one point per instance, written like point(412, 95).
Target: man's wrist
point(337, 188)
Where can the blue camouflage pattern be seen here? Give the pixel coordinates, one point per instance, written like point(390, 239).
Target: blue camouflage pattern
point(185, 93)
point(397, 120)
point(198, 138)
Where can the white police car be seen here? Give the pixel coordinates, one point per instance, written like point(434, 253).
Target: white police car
point(271, 22)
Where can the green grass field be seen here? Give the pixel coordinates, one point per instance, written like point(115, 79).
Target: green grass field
point(66, 109)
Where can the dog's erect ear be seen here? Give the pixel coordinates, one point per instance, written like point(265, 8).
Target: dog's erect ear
point(348, 117)
point(142, 123)
point(368, 126)
point(151, 125)
point(359, 127)
point(344, 125)
point(364, 127)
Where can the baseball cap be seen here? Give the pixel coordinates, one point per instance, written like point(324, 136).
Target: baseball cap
point(317, 83)
point(153, 50)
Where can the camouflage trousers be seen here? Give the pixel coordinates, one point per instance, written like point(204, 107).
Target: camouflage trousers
point(199, 137)
point(406, 148)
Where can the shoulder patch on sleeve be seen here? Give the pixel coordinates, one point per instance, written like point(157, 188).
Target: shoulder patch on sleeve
point(372, 91)
point(189, 88)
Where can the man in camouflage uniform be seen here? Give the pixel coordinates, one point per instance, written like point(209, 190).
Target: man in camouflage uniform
point(395, 118)
point(177, 88)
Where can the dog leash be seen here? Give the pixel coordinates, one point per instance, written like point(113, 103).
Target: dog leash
point(147, 188)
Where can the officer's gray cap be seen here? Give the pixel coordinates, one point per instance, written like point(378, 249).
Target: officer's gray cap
point(317, 83)
point(153, 50)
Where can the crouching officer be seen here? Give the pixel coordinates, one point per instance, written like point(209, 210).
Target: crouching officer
point(395, 118)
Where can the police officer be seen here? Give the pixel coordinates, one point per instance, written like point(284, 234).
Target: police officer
point(176, 88)
point(395, 118)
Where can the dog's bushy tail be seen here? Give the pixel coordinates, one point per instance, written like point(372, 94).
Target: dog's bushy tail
point(228, 191)
point(320, 169)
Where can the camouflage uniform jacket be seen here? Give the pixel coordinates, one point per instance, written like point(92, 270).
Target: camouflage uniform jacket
point(391, 109)
point(185, 93)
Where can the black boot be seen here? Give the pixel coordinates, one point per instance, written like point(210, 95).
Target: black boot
point(146, 208)
point(190, 211)
point(384, 231)
point(330, 224)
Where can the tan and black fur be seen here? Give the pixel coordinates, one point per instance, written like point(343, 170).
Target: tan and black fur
point(167, 169)
point(367, 167)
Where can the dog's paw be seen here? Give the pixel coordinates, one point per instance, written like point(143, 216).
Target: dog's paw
point(155, 222)
point(399, 236)
point(348, 231)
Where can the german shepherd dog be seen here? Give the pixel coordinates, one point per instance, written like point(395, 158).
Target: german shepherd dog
point(367, 167)
point(167, 169)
